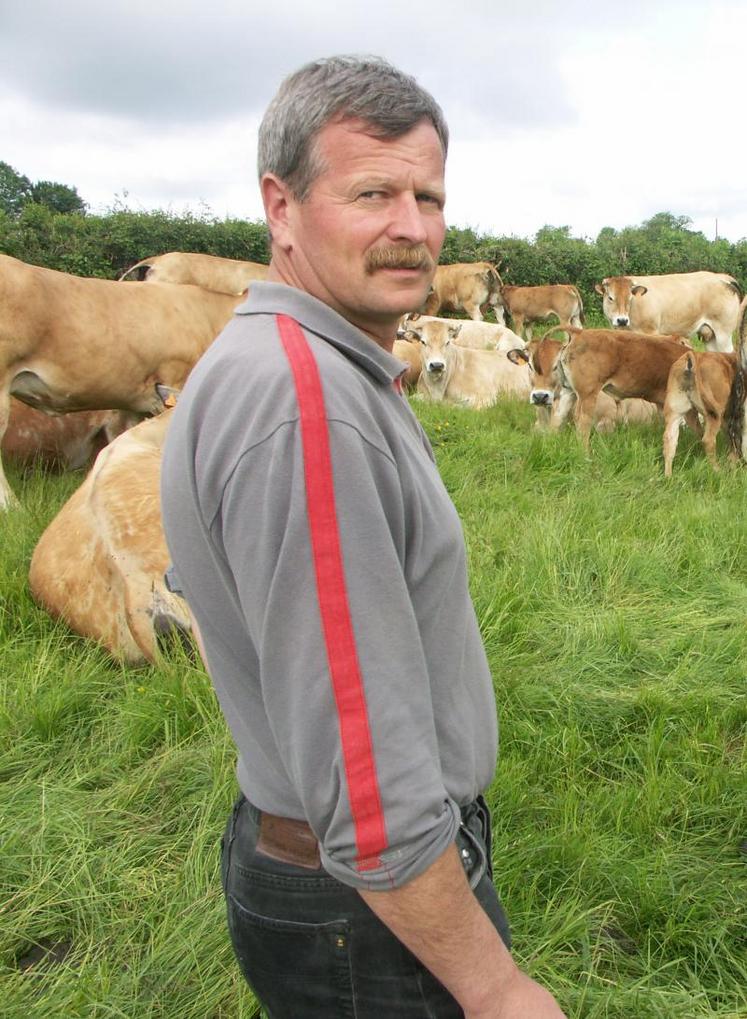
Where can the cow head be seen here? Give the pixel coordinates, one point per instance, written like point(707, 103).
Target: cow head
point(541, 356)
point(436, 338)
point(618, 293)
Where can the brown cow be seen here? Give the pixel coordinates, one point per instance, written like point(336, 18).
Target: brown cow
point(624, 365)
point(526, 305)
point(699, 384)
point(224, 275)
point(70, 343)
point(64, 441)
point(476, 378)
point(706, 303)
point(99, 565)
point(468, 287)
point(542, 356)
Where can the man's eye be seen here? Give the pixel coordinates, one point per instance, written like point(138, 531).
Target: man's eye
point(371, 194)
point(430, 200)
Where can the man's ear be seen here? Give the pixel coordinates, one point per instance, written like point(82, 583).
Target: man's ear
point(278, 202)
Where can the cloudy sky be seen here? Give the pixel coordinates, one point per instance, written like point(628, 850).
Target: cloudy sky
point(570, 112)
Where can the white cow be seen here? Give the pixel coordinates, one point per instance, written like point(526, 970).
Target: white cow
point(477, 335)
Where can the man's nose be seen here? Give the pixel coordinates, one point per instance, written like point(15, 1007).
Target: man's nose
point(407, 220)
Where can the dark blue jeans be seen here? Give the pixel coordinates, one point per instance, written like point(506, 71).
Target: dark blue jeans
point(309, 946)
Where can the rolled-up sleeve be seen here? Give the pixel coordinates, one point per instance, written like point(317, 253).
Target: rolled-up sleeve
point(362, 751)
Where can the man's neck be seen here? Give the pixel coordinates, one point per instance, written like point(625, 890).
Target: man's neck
point(383, 334)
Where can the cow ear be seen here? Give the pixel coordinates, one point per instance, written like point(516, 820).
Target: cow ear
point(639, 290)
point(516, 355)
point(408, 334)
point(167, 394)
point(454, 331)
point(599, 288)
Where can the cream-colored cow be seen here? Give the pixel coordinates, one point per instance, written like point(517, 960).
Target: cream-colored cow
point(476, 378)
point(224, 275)
point(706, 303)
point(468, 287)
point(477, 335)
point(70, 343)
point(99, 565)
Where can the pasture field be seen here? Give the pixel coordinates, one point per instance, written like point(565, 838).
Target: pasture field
point(614, 611)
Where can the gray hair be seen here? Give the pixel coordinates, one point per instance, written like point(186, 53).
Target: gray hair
point(368, 88)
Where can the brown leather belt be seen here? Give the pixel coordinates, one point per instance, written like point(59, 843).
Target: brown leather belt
point(288, 840)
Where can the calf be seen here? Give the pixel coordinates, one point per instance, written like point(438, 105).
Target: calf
point(526, 305)
point(472, 377)
point(99, 565)
point(542, 355)
point(699, 384)
point(624, 365)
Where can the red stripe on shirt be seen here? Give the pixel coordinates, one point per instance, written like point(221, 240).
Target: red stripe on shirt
point(337, 626)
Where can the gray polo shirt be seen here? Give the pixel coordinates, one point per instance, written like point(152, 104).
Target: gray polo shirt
point(235, 513)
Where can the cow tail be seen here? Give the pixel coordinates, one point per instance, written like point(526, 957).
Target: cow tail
point(581, 315)
point(733, 285)
point(141, 268)
point(568, 330)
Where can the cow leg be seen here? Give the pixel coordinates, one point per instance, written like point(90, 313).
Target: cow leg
point(585, 418)
point(562, 408)
point(473, 310)
point(528, 330)
point(671, 437)
point(518, 323)
point(7, 499)
point(576, 322)
point(693, 421)
point(711, 430)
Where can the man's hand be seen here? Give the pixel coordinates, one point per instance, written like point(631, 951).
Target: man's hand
point(522, 998)
point(442, 923)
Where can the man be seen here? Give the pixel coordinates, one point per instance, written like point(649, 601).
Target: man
point(325, 568)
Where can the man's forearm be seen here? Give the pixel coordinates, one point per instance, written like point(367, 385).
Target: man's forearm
point(439, 919)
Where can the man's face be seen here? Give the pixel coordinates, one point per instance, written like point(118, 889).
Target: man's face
point(375, 199)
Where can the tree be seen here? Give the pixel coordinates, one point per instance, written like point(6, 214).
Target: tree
point(15, 190)
point(57, 197)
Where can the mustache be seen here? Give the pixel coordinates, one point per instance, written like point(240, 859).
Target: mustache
point(415, 257)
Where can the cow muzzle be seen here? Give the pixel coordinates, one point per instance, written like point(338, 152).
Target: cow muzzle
point(621, 321)
point(540, 397)
point(435, 367)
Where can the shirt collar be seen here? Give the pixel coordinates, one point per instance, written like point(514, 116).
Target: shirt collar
point(319, 318)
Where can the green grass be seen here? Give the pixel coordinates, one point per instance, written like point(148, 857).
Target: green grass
point(613, 606)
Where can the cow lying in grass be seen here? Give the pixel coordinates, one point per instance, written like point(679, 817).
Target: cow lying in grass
point(477, 335)
point(476, 378)
point(99, 565)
